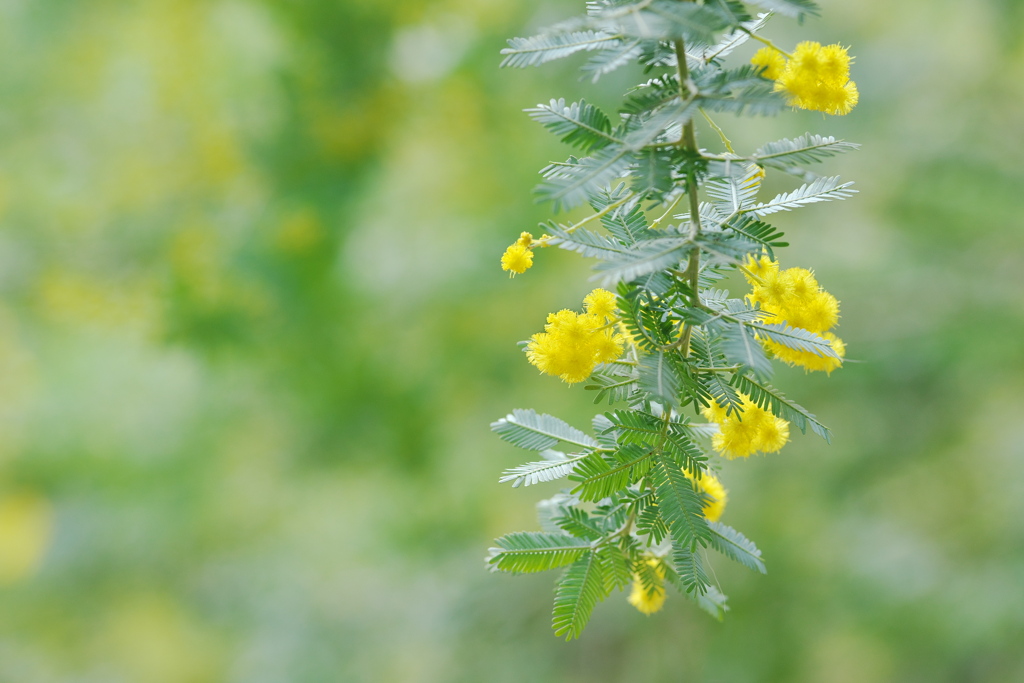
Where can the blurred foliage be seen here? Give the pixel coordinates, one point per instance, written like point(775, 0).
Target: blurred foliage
point(253, 329)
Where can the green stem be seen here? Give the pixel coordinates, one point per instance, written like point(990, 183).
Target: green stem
point(667, 211)
point(766, 42)
point(721, 133)
point(689, 140)
point(602, 212)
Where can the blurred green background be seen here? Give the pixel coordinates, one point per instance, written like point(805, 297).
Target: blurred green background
point(253, 330)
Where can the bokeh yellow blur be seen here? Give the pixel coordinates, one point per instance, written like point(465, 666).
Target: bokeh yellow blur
point(253, 331)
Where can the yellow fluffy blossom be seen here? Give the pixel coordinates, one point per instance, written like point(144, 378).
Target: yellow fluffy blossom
point(713, 488)
point(649, 599)
point(746, 431)
point(773, 61)
point(816, 77)
point(572, 344)
point(793, 296)
point(519, 256)
point(600, 302)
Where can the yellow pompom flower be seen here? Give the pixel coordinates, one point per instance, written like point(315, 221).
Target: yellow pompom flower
point(746, 431)
point(710, 485)
point(773, 61)
point(650, 599)
point(518, 258)
point(816, 77)
point(600, 302)
point(756, 269)
point(573, 344)
point(793, 296)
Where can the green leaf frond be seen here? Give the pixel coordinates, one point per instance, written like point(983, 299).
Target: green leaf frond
point(579, 124)
point(794, 338)
point(617, 567)
point(536, 472)
point(578, 523)
point(599, 475)
point(679, 504)
point(627, 224)
point(757, 232)
point(756, 99)
point(732, 193)
point(634, 427)
point(731, 41)
point(806, 149)
point(768, 397)
point(611, 387)
point(527, 552)
point(711, 359)
point(537, 50)
point(736, 546)
point(740, 347)
point(537, 432)
point(609, 60)
point(579, 590)
point(660, 377)
point(798, 9)
point(679, 446)
point(586, 243)
point(821, 190)
point(690, 570)
point(647, 257)
point(712, 601)
point(664, 20)
point(572, 183)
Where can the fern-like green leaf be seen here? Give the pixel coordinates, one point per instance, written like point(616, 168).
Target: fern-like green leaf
point(570, 184)
point(617, 567)
point(643, 259)
point(690, 569)
point(666, 20)
point(741, 347)
point(608, 60)
point(538, 432)
point(794, 338)
point(733, 40)
point(612, 388)
point(797, 9)
point(806, 149)
point(770, 398)
point(587, 243)
point(712, 601)
point(736, 546)
point(578, 592)
point(601, 475)
point(659, 378)
point(536, 50)
point(821, 190)
point(536, 472)
point(579, 124)
point(679, 505)
point(528, 552)
point(635, 427)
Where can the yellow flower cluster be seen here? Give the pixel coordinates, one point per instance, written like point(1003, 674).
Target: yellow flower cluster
point(518, 258)
point(649, 602)
point(794, 296)
point(746, 431)
point(713, 488)
point(572, 343)
point(816, 77)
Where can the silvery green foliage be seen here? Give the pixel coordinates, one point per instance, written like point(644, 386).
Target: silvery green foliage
point(628, 496)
